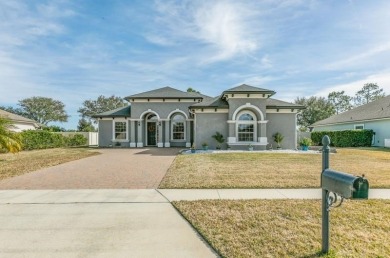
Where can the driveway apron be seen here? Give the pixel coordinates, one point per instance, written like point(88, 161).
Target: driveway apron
point(112, 169)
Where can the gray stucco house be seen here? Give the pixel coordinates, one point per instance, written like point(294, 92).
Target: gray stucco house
point(374, 115)
point(168, 117)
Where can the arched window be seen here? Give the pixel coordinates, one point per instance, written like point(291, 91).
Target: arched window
point(178, 127)
point(246, 126)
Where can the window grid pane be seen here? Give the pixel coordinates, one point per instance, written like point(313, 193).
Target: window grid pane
point(120, 130)
point(245, 132)
point(178, 130)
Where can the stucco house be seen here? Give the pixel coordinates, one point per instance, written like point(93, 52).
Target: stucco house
point(19, 123)
point(168, 117)
point(374, 115)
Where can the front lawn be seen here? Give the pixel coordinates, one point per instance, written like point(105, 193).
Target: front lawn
point(274, 170)
point(27, 161)
point(290, 228)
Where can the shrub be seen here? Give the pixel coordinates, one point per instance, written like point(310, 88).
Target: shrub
point(76, 140)
point(33, 140)
point(305, 141)
point(346, 138)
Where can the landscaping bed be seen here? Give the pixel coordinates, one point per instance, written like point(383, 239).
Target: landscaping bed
point(290, 228)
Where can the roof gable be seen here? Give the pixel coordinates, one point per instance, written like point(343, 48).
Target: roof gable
point(379, 109)
point(167, 93)
point(16, 118)
point(118, 112)
point(244, 88)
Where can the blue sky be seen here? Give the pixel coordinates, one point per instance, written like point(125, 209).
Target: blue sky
point(78, 50)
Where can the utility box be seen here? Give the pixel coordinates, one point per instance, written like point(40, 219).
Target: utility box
point(345, 185)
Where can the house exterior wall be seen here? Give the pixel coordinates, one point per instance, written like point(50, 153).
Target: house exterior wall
point(380, 127)
point(236, 103)
point(163, 109)
point(206, 124)
point(284, 124)
point(105, 133)
point(19, 126)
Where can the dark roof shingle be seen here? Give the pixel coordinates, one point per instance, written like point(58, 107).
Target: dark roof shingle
point(247, 88)
point(166, 92)
point(378, 109)
point(118, 112)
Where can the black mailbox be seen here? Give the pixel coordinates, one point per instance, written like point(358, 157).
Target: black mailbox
point(345, 185)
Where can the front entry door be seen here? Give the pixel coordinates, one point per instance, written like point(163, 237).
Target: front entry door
point(151, 131)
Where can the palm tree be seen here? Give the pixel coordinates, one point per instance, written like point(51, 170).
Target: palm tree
point(219, 138)
point(9, 140)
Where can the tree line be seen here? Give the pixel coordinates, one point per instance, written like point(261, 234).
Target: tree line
point(319, 108)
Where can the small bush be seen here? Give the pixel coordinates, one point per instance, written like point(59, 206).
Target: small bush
point(76, 140)
point(33, 140)
point(346, 138)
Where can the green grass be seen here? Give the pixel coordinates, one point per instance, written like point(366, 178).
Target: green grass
point(274, 170)
point(290, 228)
point(27, 161)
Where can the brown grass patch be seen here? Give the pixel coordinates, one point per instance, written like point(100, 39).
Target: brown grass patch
point(27, 161)
point(290, 228)
point(273, 170)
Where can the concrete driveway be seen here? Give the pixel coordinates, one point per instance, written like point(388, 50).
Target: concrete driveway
point(113, 169)
point(94, 223)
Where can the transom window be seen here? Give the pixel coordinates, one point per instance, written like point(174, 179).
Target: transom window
point(246, 126)
point(178, 127)
point(120, 131)
point(359, 127)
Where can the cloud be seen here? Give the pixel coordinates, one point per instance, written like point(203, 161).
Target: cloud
point(224, 28)
point(350, 88)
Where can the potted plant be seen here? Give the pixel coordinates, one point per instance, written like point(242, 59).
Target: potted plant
point(305, 143)
point(250, 147)
point(278, 138)
point(193, 148)
point(219, 138)
point(205, 146)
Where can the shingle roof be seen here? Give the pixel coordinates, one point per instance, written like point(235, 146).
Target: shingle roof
point(119, 112)
point(378, 109)
point(17, 118)
point(212, 102)
point(275, 103)
point(166, 92)
point(248, 89)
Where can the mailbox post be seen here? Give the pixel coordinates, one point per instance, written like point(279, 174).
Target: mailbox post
point(337, 186)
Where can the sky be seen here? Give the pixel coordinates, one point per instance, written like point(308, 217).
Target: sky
point(74, 51)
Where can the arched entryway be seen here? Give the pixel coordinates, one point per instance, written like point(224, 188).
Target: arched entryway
point(151, 129)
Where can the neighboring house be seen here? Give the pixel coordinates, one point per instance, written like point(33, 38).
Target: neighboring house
point(19, 123)
point(168, 117)
point(374, 115)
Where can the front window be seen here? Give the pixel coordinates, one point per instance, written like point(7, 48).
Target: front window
point(178, 127)
point(120, 131)
point(246, 127)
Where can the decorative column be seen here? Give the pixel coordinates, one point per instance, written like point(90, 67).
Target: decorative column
point(160, 134)
point(188, 133)
point(232, 132)
point(140, 142)
point(132, 134)
point(262, 135)
point(167, 143)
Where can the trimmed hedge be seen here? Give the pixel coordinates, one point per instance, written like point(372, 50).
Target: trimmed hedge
point(33, 140)
point(346, 138)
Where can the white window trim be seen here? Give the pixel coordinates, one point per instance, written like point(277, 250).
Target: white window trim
point(113, 130)
point(356, 125)
point(185, 129)
point(253, 122)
